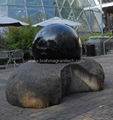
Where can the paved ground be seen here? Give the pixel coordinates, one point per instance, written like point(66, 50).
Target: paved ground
point(83, 106)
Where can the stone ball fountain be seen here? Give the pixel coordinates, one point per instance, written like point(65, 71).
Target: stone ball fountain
point(57, 71)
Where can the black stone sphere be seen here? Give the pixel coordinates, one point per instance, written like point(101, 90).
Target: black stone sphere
point(56, 41)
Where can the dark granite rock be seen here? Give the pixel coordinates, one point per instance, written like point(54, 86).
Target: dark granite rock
point(56, 41)
point(35, 85)
point(85, 75)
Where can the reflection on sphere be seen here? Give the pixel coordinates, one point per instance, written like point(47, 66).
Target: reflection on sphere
point(56, 41)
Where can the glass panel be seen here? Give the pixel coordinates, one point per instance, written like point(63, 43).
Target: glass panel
point(65, 10)
point(83, 3)
point(33, 2)
point(50, 12)
point(70, 1)
point(76, 8)
point(16, 2)
point(36, 14)
point(66, 4)
point(75, 5)
point(84, 27)
point(3, 2)
point(57, 11)
point(92, 2)
point(72, 17)
point(89, 18)
point(92, 21)
point(16, 12)
point(3, 11)
point(60, 2)
point(49, 2)
point(77, 12)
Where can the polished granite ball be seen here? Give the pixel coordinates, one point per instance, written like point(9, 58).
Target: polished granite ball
point(56, 42)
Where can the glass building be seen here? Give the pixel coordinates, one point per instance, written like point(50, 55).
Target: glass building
point(83, 11)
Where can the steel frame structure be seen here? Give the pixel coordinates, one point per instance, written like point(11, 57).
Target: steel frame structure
point(76, 10)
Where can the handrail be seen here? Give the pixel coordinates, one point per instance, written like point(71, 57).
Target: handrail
point(105, 43)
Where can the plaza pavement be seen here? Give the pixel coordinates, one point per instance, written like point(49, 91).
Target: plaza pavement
point(82, 106)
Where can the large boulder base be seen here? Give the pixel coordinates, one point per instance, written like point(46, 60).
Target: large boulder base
point(35, 85)
point(85, 75)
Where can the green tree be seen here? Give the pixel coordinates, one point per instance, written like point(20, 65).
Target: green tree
point(21, 38)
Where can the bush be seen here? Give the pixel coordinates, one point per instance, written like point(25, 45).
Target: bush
point(21, 38)
point(102, 35)
point(95, 35)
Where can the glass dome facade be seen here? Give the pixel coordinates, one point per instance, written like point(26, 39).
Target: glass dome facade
point(39, 10)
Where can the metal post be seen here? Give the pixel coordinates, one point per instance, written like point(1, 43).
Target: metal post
point(26, 12)
point(58, 9)
point(7, 5)
point(100, 1)
point(45, 17)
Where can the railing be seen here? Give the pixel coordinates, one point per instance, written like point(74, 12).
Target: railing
point(104, 44)
point(12, 56)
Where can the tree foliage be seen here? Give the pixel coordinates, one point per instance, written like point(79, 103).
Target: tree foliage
point(21, 38)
